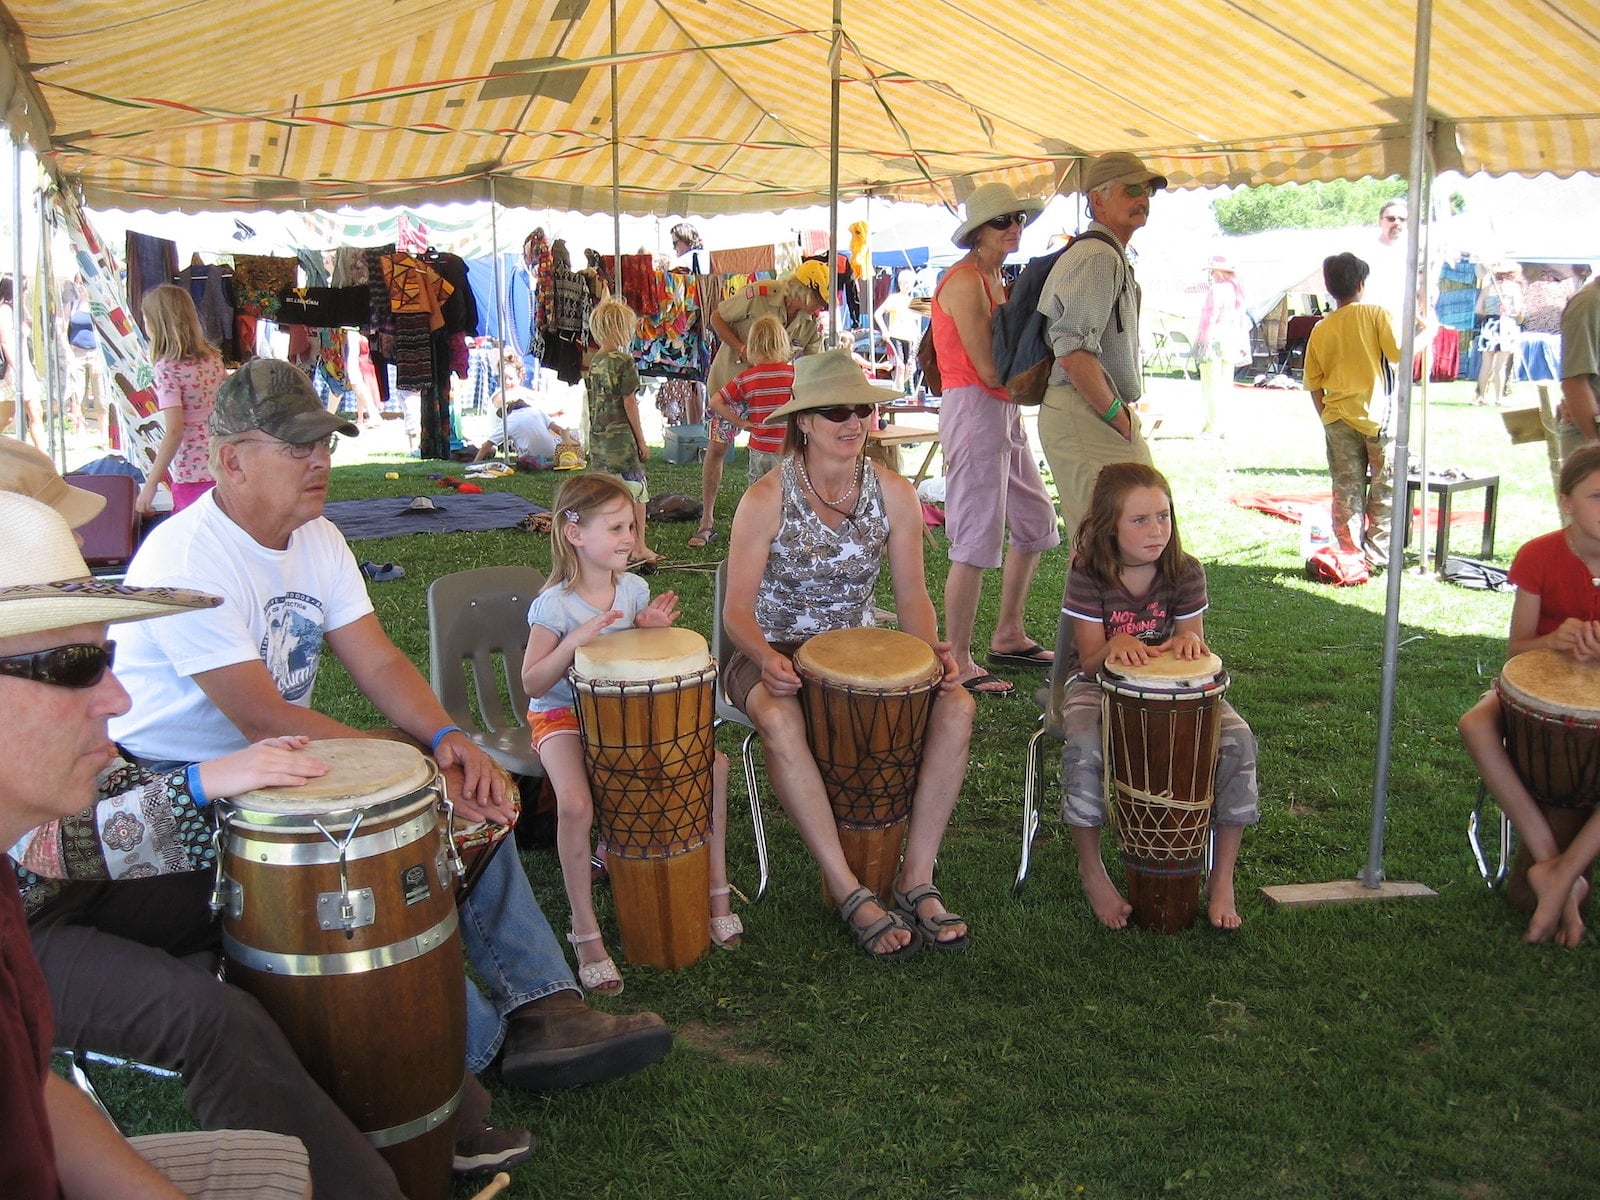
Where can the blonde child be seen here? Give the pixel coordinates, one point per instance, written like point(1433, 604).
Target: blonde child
point(1557, 608)
point(616, 439)
point(591, 592)
point(744, 402)
point(188, 371)
point(1134, 595)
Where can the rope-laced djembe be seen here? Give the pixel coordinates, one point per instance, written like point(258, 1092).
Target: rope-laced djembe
point(867, 696)
point(1159, 728)
point(645, 700)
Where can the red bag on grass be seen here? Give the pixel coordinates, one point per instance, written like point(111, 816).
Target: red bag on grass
point(1329, 564)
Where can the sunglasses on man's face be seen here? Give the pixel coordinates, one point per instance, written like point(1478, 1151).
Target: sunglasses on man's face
point(77, 666)
point(1135, 190)
point(1019, 219)
point(840, 413)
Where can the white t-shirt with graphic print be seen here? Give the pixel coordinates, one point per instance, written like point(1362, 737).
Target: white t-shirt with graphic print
point(277, 604)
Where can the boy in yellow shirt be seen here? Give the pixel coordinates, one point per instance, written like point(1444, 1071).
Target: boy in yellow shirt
point(1344, 369)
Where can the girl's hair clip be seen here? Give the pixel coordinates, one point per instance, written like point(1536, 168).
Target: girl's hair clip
point(572, 516)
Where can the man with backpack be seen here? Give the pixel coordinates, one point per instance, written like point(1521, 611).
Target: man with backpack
point(1091, 310)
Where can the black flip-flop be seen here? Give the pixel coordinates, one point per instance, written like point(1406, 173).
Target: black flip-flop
point(1031, 655)
point(975, 685)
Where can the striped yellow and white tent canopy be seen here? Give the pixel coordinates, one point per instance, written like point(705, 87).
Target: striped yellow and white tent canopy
point(723, 105)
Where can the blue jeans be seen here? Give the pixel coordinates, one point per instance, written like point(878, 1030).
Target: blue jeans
point(513, 950)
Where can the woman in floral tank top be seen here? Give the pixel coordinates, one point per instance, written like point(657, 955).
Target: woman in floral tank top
point(809, 541)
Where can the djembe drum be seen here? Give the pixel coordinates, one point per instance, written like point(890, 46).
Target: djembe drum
point(1550, 708)
point(1160, 725)
point(867, 695)
point(645, 700)
point(339, 915)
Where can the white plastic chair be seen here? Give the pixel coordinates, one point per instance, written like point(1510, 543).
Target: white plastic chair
point(722, 651)
point(478, 629)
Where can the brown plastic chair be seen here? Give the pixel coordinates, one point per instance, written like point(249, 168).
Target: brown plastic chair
point(477, 634)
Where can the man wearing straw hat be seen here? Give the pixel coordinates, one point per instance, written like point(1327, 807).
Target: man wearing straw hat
point(57, 692)
point(1091, 310)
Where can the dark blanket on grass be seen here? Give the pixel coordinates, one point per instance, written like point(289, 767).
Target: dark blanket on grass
point(389, 516)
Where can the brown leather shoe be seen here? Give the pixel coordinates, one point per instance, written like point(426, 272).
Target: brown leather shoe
point(558, 1041)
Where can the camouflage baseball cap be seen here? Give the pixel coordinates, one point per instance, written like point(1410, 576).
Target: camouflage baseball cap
point(275, 397)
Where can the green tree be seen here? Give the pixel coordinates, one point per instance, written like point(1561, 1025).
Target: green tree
point(1340, 202)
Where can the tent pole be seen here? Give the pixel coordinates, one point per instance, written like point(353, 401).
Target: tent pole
point(15, 350)
point(1428, 275)
point(1372, 874)
point(616, 168)
point(499, 322)
point(833, 170)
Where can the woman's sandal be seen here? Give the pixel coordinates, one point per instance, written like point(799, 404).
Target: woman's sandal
point(868, 936)
point(726, 931)
point(596, 976)
point(702, 537)
point(905, 903)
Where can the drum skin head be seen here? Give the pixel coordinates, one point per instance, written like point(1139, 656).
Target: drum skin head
point(866, 657)
point(636, 655)
point(362, 771)
point(1169, 671)
point(1552, 681)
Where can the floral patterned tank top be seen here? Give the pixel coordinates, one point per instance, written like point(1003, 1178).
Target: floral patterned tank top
point(818, 579)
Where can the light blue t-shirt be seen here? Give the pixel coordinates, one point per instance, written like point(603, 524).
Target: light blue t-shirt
point(561, 610)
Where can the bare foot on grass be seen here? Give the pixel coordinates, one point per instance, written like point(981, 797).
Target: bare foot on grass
point(1556, 914)
point(1110, 909)
point(1220, 906)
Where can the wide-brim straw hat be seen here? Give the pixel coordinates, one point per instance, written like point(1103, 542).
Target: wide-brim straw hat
point(1220, 262)
point(45, 584)
point(985, 204)
point(29, 472)
point(823, 380)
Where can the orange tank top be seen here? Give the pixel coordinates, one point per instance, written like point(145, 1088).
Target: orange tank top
point(955, 367)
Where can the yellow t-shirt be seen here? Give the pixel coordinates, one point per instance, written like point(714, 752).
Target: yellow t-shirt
point(1344, 359)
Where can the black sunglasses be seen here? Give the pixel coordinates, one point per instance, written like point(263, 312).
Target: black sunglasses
point(840, 413)
point(1018, 219)
point(77, 666)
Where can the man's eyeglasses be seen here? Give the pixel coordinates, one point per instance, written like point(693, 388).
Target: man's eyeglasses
point(1394, 220)
point(294, 449)
point(840, 413)
point(1019, 219)
point(1134, 190)
point(81, 665)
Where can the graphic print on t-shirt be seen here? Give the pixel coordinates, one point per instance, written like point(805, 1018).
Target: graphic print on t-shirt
point(1146, 624)
point(292, 647)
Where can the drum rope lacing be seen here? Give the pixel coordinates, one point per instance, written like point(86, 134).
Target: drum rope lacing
point(1150, 839)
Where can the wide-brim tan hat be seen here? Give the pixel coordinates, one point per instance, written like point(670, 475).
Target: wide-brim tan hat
point(45, 584)
point(823, 380)
point(29, 472)
point(1120, 167)
point(988, 202)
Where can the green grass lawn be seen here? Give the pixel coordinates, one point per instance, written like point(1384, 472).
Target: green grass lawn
point(1409, 1048)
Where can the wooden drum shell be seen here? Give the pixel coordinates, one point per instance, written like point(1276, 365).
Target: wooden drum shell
point(1161, 756)
point(868, 744)
point(650, 749)
point(377, 1016)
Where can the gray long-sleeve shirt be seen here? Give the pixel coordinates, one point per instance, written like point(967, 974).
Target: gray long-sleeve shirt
point(1077, 303)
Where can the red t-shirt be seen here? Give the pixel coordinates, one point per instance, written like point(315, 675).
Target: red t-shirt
point(761, 390)
point(1547, 568)
point(28, 1164)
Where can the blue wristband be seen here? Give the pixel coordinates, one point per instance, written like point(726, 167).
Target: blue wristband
point(196, 792)
point(433, 746)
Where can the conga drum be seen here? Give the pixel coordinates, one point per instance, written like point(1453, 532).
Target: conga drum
point(645, 700)
point(1550, 707)
point(339, 915)
point(867, 695)
point(1160, 725)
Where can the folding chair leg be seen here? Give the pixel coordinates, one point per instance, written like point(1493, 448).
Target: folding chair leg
point(757, 826)
point(1031, 786)
point(1493, 878)
point(81, 1080)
